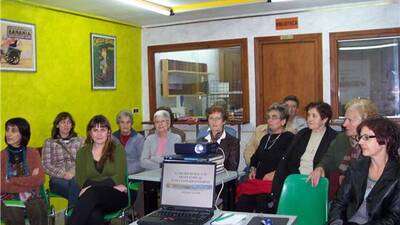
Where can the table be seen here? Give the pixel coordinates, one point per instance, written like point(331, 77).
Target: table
point(292, 219)
point(152, 179)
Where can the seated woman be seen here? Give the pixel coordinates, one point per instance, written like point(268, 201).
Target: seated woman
point(21, 176)
point(308, 146)
point(344, 147)
point(100, 173)
point(159, 144)
point(58, 157)
point(131, 140)
point(264, 162)
point(370, 192)
point(230, 145)
point(172, 128)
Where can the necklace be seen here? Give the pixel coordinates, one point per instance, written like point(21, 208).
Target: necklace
point(273, 142)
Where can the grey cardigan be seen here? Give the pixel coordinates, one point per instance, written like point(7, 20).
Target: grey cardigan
point(149, 160)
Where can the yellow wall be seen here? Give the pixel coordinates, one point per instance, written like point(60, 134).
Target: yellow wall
point(63, 78)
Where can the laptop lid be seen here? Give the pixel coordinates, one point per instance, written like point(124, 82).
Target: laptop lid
point(188, 185)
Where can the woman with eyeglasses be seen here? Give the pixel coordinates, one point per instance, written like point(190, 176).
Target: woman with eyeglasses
point(344, 147)
point(160, 143)
point(370, 192)
point(252, 195)
point(229, 144)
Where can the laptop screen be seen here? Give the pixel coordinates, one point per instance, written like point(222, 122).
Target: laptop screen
point(188, 184)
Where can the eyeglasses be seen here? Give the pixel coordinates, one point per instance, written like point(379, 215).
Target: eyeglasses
point(272, 117)
point(214, 118)
point(364, 137)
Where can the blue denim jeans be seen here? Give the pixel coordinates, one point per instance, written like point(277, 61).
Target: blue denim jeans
point(68, 189)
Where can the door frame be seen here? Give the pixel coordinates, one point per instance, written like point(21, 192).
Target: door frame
point(259, 41)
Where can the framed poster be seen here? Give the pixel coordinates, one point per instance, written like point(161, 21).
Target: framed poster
point(103, 61)
point(18, 46)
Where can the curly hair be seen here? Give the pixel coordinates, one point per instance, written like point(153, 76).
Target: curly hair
point(281, 109)
point(365, 107)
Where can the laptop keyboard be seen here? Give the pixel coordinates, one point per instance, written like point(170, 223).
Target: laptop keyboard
point(182, 215)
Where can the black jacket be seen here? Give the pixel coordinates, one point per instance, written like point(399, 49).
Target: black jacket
point(269, 152)
point(299, 145)
point(290, 163)
point(383, 202)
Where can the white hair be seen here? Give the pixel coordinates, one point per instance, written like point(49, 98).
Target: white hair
point(124, 113)
point(164, 114)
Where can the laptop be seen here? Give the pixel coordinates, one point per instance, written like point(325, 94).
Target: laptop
point(187, 194)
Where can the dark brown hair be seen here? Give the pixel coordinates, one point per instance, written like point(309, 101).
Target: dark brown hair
point(55, 131)
point(23, 128)
point(386, 131)
point(109, 146)
point(292, 98)
point(217, 108)
point(324, 110)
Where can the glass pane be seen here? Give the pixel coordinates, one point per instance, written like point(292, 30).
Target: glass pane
point(369, 68)
point(191, 81)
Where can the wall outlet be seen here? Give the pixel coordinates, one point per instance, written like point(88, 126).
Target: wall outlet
point(135, 110)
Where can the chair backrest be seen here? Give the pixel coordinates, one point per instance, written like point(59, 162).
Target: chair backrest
point(308, 203)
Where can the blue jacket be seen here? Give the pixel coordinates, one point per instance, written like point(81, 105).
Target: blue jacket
point(133, 150)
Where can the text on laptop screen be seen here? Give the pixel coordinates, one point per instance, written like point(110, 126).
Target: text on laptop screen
point(188, 185)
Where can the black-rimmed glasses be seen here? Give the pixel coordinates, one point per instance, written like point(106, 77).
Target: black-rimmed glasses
point(364, 137)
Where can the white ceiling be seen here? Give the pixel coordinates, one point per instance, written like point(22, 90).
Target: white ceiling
point(118, 11)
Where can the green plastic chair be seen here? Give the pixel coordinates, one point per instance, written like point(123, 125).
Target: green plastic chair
point(301, 199)
point(43, 194)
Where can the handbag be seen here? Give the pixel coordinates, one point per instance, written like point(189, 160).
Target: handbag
point(253, 187)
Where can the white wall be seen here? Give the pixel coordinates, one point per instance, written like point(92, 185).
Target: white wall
point(372, 16)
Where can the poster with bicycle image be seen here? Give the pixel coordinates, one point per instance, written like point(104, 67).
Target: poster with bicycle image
point(18, 46)
point(103, 53)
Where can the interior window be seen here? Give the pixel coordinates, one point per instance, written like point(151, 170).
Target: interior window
point(190, 81)
point(369, 68)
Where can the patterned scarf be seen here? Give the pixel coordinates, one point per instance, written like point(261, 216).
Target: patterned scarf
point(17, 165)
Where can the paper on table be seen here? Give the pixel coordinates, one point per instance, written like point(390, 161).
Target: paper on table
point(235, 219)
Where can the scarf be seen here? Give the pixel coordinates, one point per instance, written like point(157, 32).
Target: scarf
point(17, 165)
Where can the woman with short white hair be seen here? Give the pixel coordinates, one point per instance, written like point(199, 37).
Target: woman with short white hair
point(159, 144)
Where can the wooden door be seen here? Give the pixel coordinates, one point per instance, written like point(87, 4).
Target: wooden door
point(287, 65)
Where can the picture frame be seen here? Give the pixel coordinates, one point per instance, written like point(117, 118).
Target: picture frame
point(103, 61)
point(18, 46)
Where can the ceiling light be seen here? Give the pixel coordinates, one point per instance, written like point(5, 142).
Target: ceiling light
point(368, 47)
point(277, 0)
point(150, 6)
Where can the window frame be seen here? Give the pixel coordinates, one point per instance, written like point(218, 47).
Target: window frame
point(334, 38)
point(241, 42)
